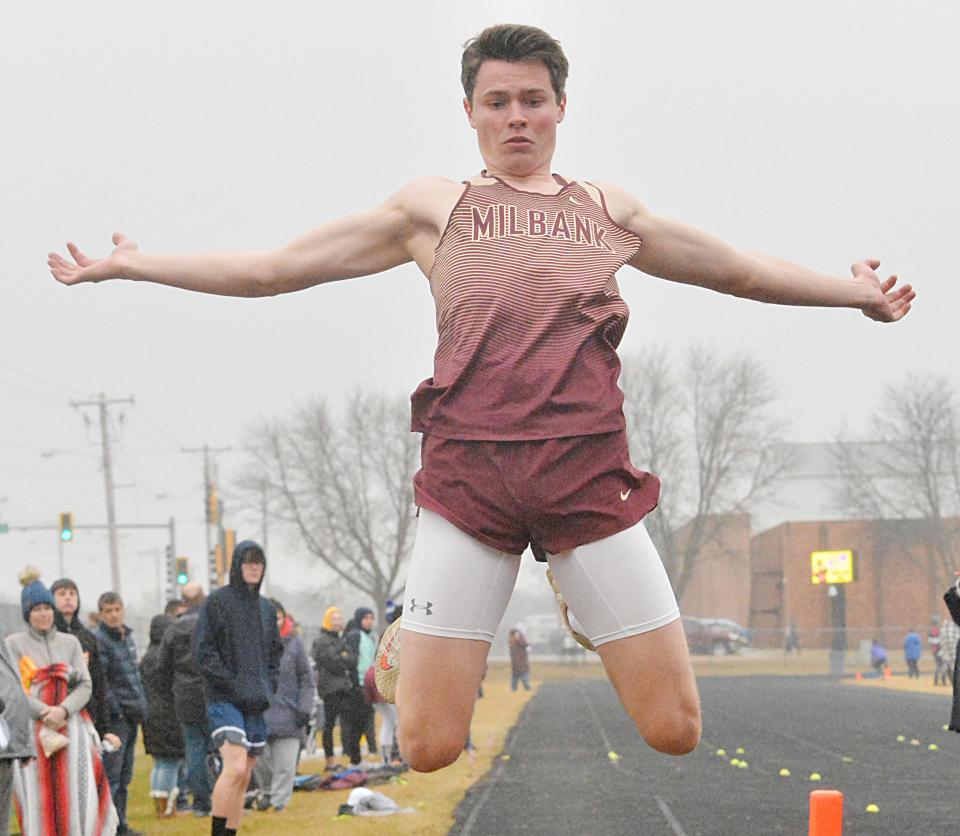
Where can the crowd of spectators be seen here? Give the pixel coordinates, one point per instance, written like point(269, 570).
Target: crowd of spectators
point(224, 698)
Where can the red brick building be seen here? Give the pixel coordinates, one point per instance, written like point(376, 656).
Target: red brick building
point(899, 581)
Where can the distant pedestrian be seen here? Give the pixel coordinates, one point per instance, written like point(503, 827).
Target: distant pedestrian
point(126, 700)
point(791, 639)
point(519, 659)
point(334, 683)
point(933, 642)
point(162, 737)
point(361, 643)
point(182, 677)
point(65, 790)
point(911, 653)
point(287, 717)
point(238, 651)
point(386, 711)
point(952, 599)
point(878, 656)
point(17, 745)
point(66, 602)
point(949, 638)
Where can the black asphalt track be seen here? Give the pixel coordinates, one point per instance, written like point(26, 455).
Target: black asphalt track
point(557, 774)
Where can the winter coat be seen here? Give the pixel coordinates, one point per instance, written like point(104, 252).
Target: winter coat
point(16, 712)
point(912, 647)
point(952, 599)
point(97, 706)
point(50, 648)
point(126, 701)
point(361, 647)
point(179, 671)
point(162, 737)
point(238, 646)
point(334, 663)
point(519, 658)
point(292, 703)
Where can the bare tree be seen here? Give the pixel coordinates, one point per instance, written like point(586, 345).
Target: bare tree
point(708, 430)
point(910, 468)
point(345, 485)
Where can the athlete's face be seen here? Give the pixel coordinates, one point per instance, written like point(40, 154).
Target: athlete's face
point(515, 114)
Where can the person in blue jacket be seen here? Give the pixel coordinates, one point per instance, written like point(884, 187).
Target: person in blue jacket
point(237, 649)
point(912, 648)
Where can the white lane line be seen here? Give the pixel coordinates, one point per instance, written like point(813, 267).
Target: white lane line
point(669, 816)
point(664, 807)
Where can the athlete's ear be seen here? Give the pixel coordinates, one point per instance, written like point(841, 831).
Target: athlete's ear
point(468, 109)
point(563, 108)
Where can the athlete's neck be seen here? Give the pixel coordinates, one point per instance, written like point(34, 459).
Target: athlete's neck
point(536, 181)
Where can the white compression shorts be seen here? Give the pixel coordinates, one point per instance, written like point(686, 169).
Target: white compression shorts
point(458, 587)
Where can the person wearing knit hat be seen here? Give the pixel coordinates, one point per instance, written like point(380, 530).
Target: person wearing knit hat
point(66, 602)
point(58, 686)
point(333, 680)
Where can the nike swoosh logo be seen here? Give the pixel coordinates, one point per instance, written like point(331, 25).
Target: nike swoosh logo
point(623, 496)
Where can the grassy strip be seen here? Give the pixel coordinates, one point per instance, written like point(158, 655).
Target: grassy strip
point(434, 796)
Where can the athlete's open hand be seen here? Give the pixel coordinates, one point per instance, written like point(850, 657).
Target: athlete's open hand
point(86, 269)
point(886, 304)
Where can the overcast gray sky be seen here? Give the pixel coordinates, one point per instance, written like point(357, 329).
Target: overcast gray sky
point(821, 132)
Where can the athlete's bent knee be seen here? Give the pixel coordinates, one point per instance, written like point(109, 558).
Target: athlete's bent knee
point(679, 737)
point(426, 755)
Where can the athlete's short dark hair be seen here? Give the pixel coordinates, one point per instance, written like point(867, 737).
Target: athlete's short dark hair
point(513, 42)
point(108, 598)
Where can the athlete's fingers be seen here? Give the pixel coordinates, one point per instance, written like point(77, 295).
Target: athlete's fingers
point(78, 255)
point(119, 238)
point(889, 283)
point(867, 265)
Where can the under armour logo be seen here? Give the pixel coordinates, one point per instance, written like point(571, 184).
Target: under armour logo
point(414, 606)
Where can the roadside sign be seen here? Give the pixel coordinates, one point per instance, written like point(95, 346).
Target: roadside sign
point(832, 567)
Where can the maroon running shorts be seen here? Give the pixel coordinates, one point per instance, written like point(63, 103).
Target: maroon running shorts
point(554, 494)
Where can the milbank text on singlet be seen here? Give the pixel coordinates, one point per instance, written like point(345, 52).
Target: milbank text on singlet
point(501, 220)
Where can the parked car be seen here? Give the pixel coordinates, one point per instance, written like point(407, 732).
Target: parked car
point(715, 636)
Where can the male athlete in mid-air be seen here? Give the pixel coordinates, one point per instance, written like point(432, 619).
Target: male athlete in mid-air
point(524, 438)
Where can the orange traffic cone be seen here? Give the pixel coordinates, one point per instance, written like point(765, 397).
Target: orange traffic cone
point(887, 672)
point(826, 813)
point(859, 677)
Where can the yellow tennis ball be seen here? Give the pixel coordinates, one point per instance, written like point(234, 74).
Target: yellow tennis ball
point(816, 776)
point(900, 738)
point(933, 747)
point(734, 761)
point(784, 773)
point(721, 752)
point(873, 808)
point(847, 759)
point(740, 750)
point(613, 756)
point(742, 765)
point(946, 727)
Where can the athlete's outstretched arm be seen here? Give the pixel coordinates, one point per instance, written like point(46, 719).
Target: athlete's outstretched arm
point(358, 245)
point(675, 251)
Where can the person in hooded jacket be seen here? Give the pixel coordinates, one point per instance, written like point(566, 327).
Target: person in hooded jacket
point(162, 738)
point(361, 644)
point(237, 649)
point(184, 683)
point(66, 600)
point(16, 732)
point(287, 717)
point(952, 599)
point(334, 684)
point(66, 788)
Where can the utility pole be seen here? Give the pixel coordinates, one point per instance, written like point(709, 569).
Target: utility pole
point(263, 514)
point(103, 403)
point(209, 468)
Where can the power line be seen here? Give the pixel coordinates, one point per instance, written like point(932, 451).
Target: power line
point(39, 379)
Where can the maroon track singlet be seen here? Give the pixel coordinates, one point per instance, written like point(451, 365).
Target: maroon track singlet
point(529, 316)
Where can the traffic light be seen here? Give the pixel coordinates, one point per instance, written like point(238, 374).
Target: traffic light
point(66, 527)
point(229, 542)
point(183, 573)
point(213, 505)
